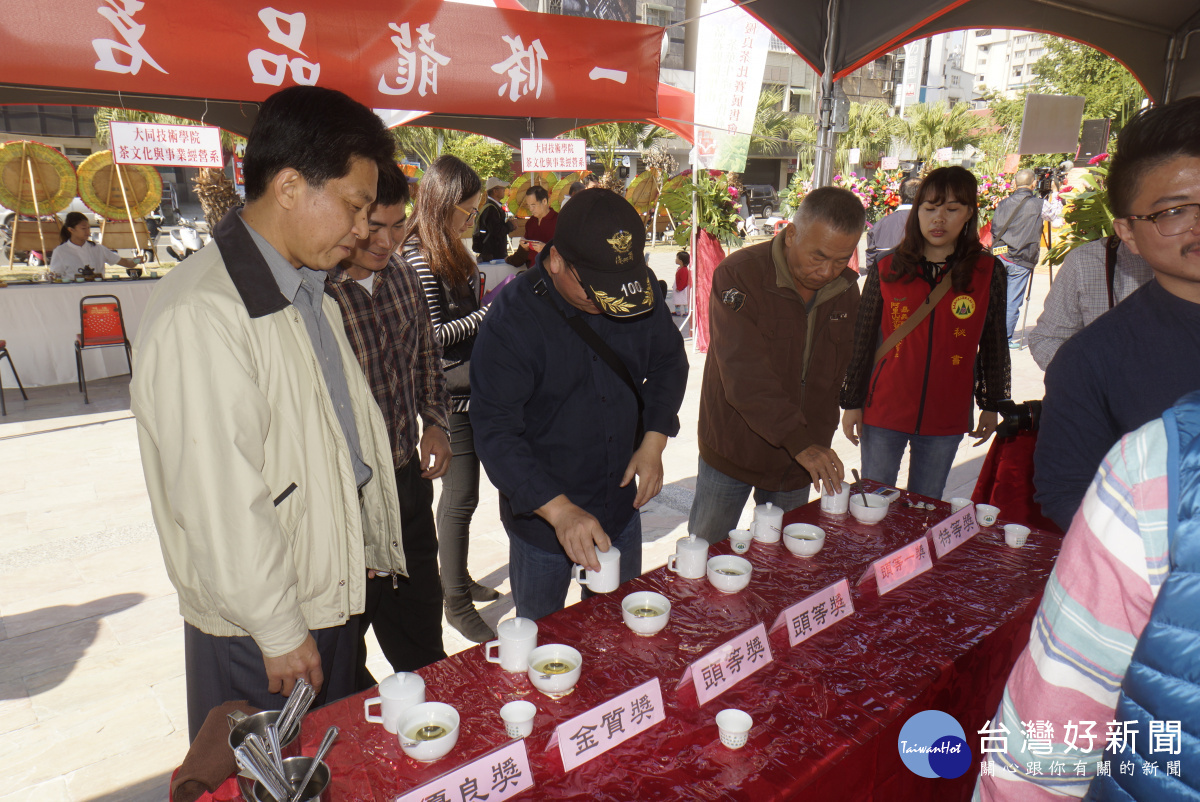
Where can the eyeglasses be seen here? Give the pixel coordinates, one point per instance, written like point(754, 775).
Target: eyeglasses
point(471, 215)
point(1174, 221)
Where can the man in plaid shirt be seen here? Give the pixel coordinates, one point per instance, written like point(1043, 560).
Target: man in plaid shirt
point(388, 325)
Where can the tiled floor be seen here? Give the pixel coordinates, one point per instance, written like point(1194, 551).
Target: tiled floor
point(91, 653)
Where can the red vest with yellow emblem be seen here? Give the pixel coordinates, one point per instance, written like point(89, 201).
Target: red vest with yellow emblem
point(924, 385)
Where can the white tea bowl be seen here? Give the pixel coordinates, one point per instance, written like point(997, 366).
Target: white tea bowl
point(868, 508)
point(729, 573)
point(418, 720)
point(638, 610)
point(803, 540)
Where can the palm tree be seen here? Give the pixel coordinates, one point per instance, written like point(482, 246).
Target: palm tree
point(871, 130)
point(605, 139)
point(772, 125)
point(803, 139)
point(930, 127)
point(426, 144)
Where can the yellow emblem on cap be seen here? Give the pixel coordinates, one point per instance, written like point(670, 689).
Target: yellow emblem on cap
point(622, 245)
point(963, 306)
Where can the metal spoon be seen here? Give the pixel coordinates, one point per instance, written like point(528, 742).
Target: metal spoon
point(276, 749)
point(262, 771)
point(295, 709)
point(858, 484)
point(331, 735)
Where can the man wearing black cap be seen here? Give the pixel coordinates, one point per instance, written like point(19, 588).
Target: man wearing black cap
point(577, 377)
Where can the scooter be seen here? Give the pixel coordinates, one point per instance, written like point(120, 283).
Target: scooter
point(185, 240)
point(154, 226)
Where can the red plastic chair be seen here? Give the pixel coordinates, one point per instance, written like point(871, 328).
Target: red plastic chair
point(101, 325)
point(4, 354)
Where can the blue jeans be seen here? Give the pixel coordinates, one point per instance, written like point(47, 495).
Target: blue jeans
point(930, 458)
point(540, 578)
point(1018, 281)
point(719, 501)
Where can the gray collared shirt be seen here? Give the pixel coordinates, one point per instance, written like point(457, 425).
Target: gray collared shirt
point(305, 288)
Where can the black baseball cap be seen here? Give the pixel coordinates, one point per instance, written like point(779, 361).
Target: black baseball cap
point(602, 236)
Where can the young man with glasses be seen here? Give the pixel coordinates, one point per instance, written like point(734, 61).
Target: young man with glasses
point(1138, 359)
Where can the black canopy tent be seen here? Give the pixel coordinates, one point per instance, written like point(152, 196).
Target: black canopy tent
point(1150, 37)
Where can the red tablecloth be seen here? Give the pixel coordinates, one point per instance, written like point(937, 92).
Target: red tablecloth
point(826, 714)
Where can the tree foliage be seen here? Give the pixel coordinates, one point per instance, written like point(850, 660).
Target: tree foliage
point(605, 139)
point(485, 156)
point(1004, 134)
point(1108, 89)
point(871, 130)
point(929, 127)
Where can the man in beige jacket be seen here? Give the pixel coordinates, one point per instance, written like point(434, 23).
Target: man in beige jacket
point(266, 457)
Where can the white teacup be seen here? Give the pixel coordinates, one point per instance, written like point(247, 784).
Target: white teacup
point(517, 638)
point(397, 694)
point(836, 503)
point(734, 726)
point(768, 523)
point(518, 718)
point(740, 540)
point(690, 558)
point(986, 514)
point(957, 504)
point(803, 540)
point(1015, 535)
point(646, 612)
point(607, 578)
point(555, 668)
point(428, 731)
point(729, 573)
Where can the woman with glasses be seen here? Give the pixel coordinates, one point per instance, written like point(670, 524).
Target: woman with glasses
point(445, 212)
point(540, 228)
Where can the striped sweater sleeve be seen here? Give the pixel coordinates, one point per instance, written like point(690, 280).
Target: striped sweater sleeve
point(1049, 733)
point(448, 332)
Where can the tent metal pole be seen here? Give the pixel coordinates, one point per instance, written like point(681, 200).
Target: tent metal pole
point(823, 169)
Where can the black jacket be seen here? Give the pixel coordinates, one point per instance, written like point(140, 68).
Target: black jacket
point(1017, 224)
point(490, 240)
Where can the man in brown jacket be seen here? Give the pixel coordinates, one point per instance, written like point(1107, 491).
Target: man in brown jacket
point(782, 316)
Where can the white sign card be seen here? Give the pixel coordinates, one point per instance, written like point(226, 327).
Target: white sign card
point(608, 724)
point(954, 531)
point(943, 154)
point(498, 775)
point(166, 145)
point(726, 666)
point(854, 155)
point(553, 154)
point(890, 163)
point(818, 612)
point(903, 564)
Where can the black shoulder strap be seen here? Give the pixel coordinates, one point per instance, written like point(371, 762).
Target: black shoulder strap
point(1110, 267)
point(596, 343)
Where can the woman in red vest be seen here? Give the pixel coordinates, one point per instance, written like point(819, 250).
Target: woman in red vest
point(918, 394)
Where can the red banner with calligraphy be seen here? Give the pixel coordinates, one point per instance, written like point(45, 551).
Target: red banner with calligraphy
point(427, 55)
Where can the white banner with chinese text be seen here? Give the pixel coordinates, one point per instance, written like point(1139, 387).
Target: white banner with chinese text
point(733, 47)
point(553, 154)
point(166, 145)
